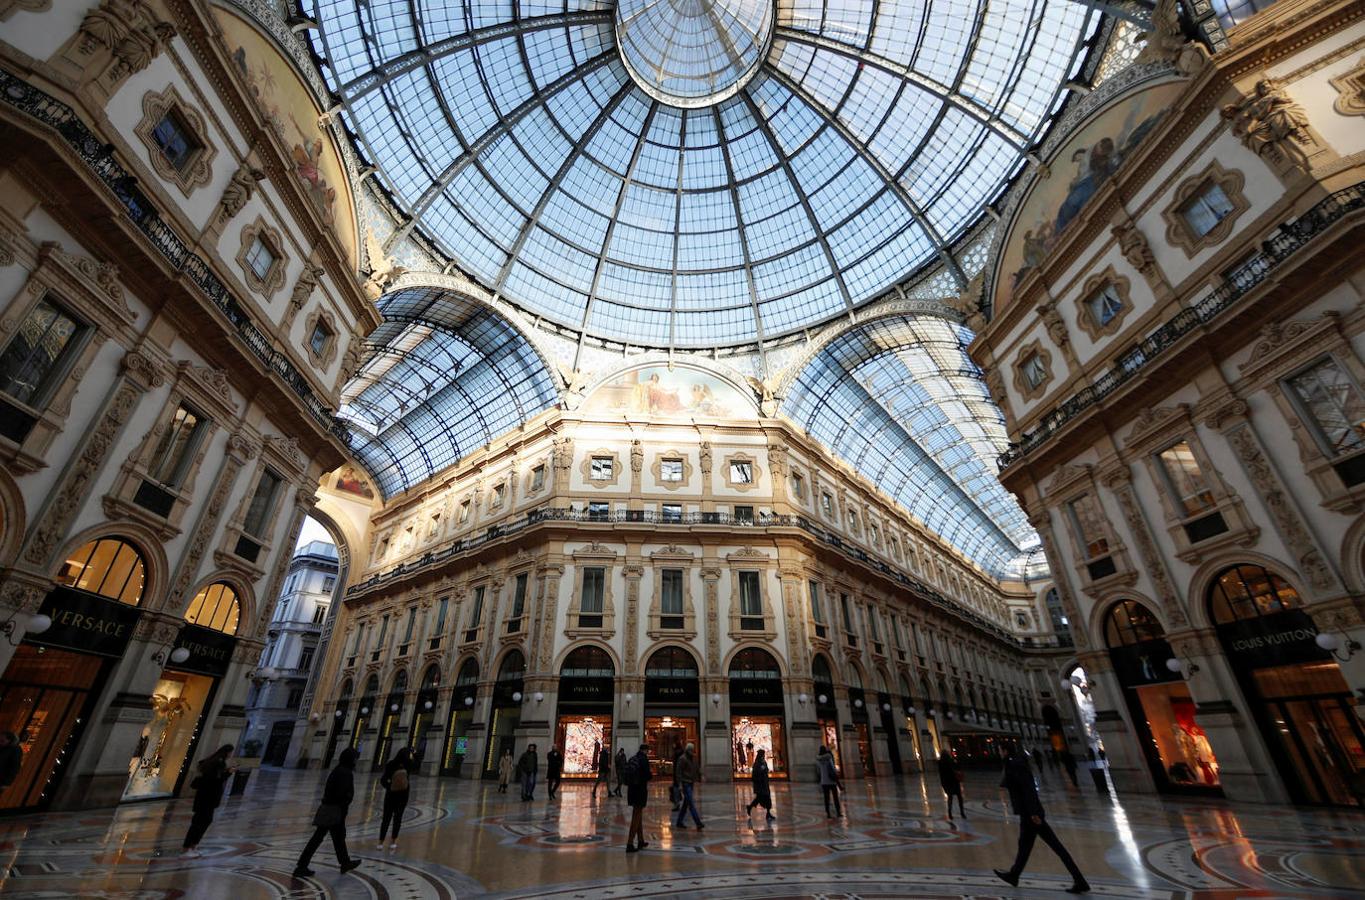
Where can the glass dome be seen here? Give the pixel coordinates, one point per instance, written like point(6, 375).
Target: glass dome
point(697, 173)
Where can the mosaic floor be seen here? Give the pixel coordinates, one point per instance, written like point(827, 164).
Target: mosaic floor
point(463, 839)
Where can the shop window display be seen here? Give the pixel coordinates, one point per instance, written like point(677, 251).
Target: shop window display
point(754, 733)
point(581, 739)
point(178, 701)
point(664, 736)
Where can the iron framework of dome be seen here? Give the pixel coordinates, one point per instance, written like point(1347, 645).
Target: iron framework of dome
point(697, 173)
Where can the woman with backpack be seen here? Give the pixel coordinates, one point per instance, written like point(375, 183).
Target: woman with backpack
point(396, 786)
point(637, 794)
point(950, 778)
point(763, 794)
point(208, 793)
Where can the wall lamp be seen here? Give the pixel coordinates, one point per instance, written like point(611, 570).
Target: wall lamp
point(177, 656)
point(37, 624)
point(1333, 642)
point(1182, 668)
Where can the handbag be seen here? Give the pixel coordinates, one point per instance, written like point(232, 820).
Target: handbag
point(329, 815)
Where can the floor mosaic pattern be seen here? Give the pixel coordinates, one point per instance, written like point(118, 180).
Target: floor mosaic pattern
point(463, 839)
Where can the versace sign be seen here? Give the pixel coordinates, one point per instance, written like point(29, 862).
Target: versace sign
point(210, 651)
point(87, 623)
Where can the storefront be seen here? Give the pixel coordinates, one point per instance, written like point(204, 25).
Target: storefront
point(424, 714)
point(862, 729)
point(912, 731)
point(672, 715)
point(1176, 748)
point(505, 715)
point(182, 697)
point(461, 718)
point(364, 712)
point(52, 683)
point(1295, 689)
point(338, 723)
point(390, 718)
point(583, 724)
point(826, 708)
point(757, 713)
point(888, 720)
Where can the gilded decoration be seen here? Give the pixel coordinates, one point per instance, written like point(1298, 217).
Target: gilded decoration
point(1021, 382)
point(197, 169)
point(274, 276)
point(1178, 232)
point(1350, 88)
point(1085, 315)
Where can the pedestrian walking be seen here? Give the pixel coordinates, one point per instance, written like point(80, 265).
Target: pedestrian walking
point(397, 782)
point(950, 777)
point(763, 794)
point(637, 794)
point(208, 785)
point(686, 770)
point(602, 760)
point(11, 758)
point(527, 769)
point(554, 770)
point(1018, 779)
point(619, 766)
point(829, 781)
point(675, 789)
point(330, 819)
point(505, 767)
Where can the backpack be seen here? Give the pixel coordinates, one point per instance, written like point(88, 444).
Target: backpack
point(399, 782)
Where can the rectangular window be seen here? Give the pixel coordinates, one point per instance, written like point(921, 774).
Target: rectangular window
point(537, 478)
point(1206, 209)
point(412, 624)
point(798, 486)
point(262, 503)
point(1333, 404)
point(827, 505)
point(853, 519)
point(519, 596)
point(1035, 371)
point(1185, 479)
point(599, 511)
point(1089, 525)
point(671, 594)
point(434, 525)
point(306, 658)
point(383, 630)
point(175, 449)
point(671, 470)
point(294, 699)
point(355, 644)
point(260, 258)
point(873, 534)
point(173, 139)
point(476, 613)
point(319, 613)
point(328, 582)
point(464, 511)
point(442, 610)
point(601, 468)
point(499, 494)
point(38, 353)
point(874, 624)
point(320, 338)
point(672, 513)
point(1104, 304)
point(744, 515)
point(847, 612)
point(592, 603)
point(742, 472)
point(817, 608)
point(750, 601)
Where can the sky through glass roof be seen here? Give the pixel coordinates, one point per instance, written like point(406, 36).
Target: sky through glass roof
point(698, 172)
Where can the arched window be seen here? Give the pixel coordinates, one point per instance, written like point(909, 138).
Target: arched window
point(855, 678)
point(1060, 625)
point(469, 673)
point(432, 679)
point(671, 662)
point(513, 667)
point(109, 567)
point(588, 662)
point(1248, 591)
point(754, 663)
point(215, 607)
point(346, 688)
point(1129, 622)
point(820, 671)
point(372, 685)
point(905, 687)
point(400, 682)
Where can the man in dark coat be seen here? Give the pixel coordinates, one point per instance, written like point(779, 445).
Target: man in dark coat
point(554, 770)
point(637, 793)
point(527, 768)
point(331, 816)
point(1018, 779)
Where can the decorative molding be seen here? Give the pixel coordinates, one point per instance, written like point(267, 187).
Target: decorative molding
point(585, 468)
point(1021, 383)
point(1272, 125)
point(323, 317)
point(303, 289)
point(656, 469)
point(197, 170)
point(1350, 88)
point(240, 189)
point(1178, 232)
point(1093, 285)
point(274, 277)
point(10, 7)
point(755, 472)
point(1155, 566)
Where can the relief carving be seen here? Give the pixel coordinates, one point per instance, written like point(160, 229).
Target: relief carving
point(765, 391)
point(1167, 43)
point(711, 579)
point(1151, 557)
point(127, 29)
point(1271, 124)
point(240, 189)
point(1350, 87)
point(208, 524)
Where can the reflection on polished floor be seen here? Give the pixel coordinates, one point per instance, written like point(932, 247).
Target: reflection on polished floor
point(463, 839)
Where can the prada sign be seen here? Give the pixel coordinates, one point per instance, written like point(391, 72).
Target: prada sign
point(672, 691)
point(586, 690)
point(756, 691)
point(210, 651)
point(87, 623)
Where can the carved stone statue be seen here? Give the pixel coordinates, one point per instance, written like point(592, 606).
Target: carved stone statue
point(240, 188)
point(130, 31)
point(637, 457)
point(303, 288)
point(765, 391)
point(1168, 43)
point(1270, 122)
point(575, 384)
point(968, 303)
point(1133, 244)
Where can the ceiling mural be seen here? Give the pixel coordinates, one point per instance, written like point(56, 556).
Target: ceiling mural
point(664, 392)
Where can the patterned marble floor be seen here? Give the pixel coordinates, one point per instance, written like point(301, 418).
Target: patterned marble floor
point(463, 839)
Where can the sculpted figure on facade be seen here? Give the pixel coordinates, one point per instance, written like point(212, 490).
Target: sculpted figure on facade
point(1167, 42)
point(1270, 122)
point(968, 303)
point(240, 189)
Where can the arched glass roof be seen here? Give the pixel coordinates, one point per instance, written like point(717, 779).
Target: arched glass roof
point(445, 375)
point(899, 399)
point(697, 172)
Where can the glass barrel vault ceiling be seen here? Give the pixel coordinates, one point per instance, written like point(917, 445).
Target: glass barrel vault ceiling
point(772, 167)
point(900, 400)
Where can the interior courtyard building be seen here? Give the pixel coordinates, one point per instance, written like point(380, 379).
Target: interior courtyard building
point(906, 378)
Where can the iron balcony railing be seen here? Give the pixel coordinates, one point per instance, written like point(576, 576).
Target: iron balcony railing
point(1282, 244)
point(99, 158)
point(549, 514)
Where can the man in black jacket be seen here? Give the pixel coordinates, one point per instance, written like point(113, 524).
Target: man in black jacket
point(554, 770)
point(1018, 779)
point(331, 816)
